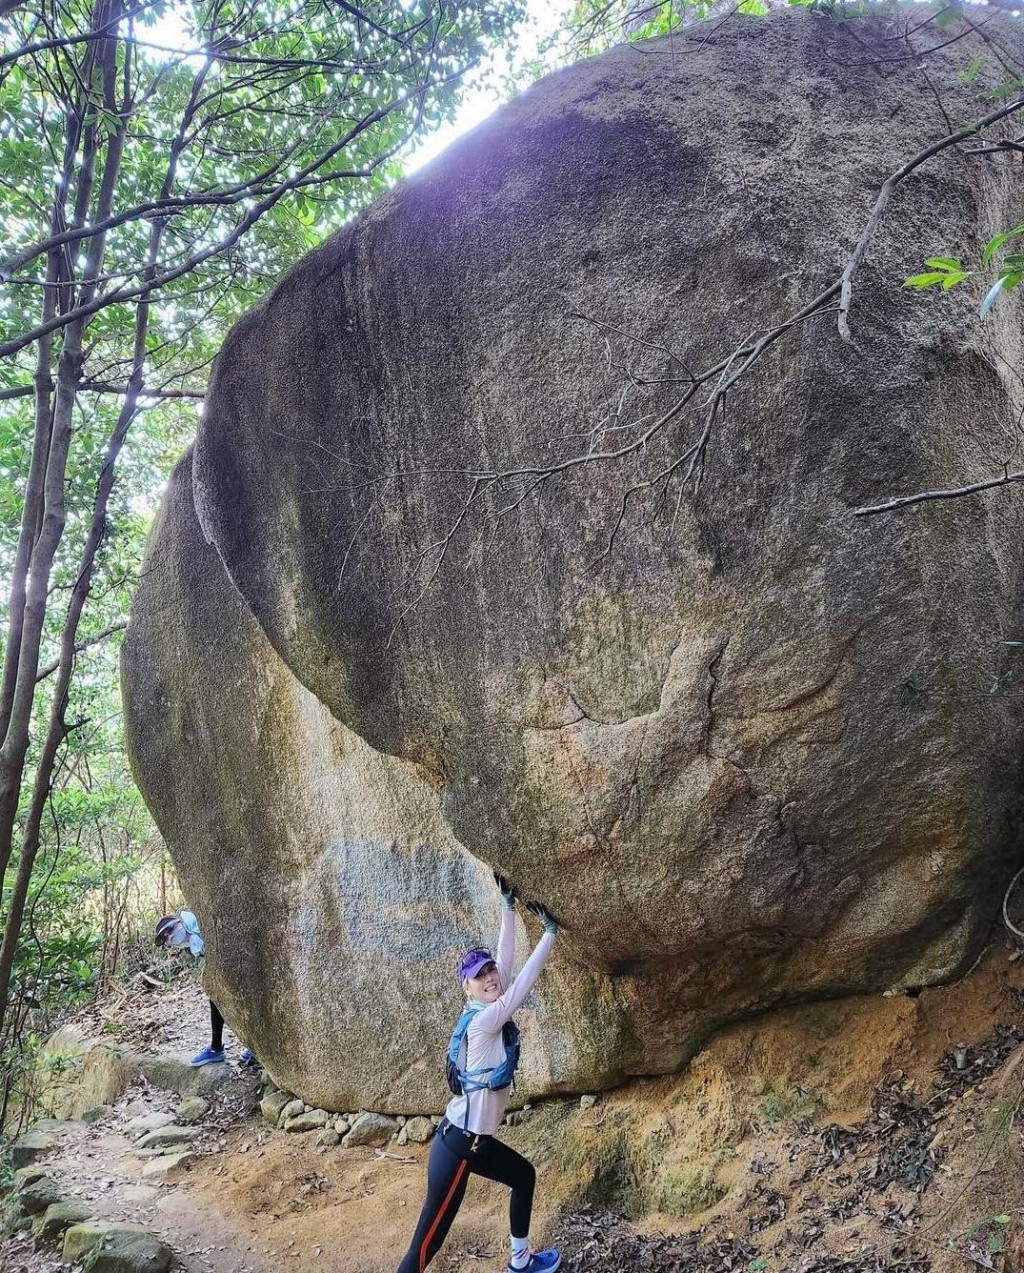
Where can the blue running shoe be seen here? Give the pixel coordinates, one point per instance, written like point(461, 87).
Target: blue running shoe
point(208, 1057)
point(538, 1262)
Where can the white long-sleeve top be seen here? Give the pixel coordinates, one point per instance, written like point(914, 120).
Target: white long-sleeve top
point(485, 1047)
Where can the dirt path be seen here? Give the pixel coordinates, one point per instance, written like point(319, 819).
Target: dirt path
point(251, 1200)
point(866, 1136)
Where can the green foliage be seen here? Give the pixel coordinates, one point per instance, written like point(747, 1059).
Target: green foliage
point(778, 1106)
point(991, 1230)
point(946, 272)
point(247, 134)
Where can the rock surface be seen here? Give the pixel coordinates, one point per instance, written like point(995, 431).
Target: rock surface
point(58, 1218)
point(163, 1137)
point(419, 1130)
point(192, 1109)
point(370, 1129)
point(115, 1249)
point(78, 1074)
point(749, 755)
point(185, 1079)
point(273, 1103)
point(36, 1197)
point(143, 1124)
point(31, 1147)
point(310, 1121)
point(167, 1165)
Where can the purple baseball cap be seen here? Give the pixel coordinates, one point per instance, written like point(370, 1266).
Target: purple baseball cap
point(473, 960)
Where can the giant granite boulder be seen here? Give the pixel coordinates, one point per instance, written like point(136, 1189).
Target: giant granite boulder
point(742, 743)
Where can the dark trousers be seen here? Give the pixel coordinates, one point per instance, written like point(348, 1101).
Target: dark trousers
point(216, 1028)
point(454, 1156)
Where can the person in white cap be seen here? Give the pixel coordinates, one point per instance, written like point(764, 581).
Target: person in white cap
point(178, 932)
point(482, 1057)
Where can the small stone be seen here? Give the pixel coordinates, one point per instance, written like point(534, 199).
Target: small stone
point(292, 1110)
point(80, 1239)
point(148, 1123)
point(588, 1102)
point(371, 1129)
point(30, 1147)
point(342, 1127)
point(94, 1113)
point(403, 1137)
point(307, 1122)
point(36, 1197)
point(419, 1130)
point(165, 1136)
point(166, 1165)
point(273, 1102)
point(114, 1249)
point(138, 1195)
point(436, 1119)
point(187, 1080)
point(511, 1120)
point(25, 1176)
point(58, 1219)
point(328, 1137)
point(192, 1109)
point(400, 1120)
point(306, 1109)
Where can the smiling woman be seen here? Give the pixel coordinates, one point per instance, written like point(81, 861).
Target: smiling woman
point(482, 1059)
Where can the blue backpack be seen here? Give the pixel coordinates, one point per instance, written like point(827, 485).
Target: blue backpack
point(462, 1081)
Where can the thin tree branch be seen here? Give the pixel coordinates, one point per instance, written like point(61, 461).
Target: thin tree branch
point(885, 194)
point(119, 391)
point(956, 492)
point(118, 625)
point(129, 292)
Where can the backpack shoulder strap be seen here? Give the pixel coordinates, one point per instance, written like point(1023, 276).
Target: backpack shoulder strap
point(459, 1033)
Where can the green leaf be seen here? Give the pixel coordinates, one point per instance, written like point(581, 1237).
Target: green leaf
point(926, 280)
point(944, 263)
point(997, 241)
point(970, 74)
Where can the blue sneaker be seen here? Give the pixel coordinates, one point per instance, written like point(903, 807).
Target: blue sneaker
point(538, 1262)
point(245, 1057)
point(208, 1057)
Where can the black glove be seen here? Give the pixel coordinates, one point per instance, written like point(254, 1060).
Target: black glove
point(541, 912)
point(508, 893)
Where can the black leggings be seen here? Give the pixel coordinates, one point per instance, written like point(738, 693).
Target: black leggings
point(453, 1157)
point(216, 1028)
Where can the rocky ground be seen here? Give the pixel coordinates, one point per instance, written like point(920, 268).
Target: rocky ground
point(892, 1144)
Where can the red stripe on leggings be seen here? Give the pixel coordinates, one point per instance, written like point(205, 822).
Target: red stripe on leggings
point(437, 1219)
